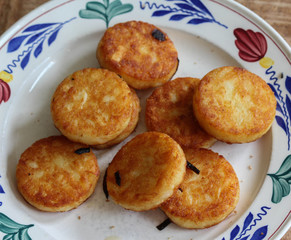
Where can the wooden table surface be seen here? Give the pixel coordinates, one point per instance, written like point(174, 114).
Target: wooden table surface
point(276, 12)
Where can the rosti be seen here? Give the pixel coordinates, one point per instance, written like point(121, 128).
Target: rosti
point(207, 198)
point(234, 105)
point(169, 110)
point(92, 106)
point(146, 171)
point(140, 52)
point(57, 175)
point(130, 127)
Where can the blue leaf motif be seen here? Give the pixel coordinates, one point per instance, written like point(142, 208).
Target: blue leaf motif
point(288, 105)
point(38, 50)
point(34, 37)
point(178, 17)
point(260, 233)
point(234, 232)
point(279, 109)
point(15, 43)
point(274, 90)
point(288, 84)
point(25, 60)
point(37, 27)
point(248, 221)
point(199, 20)
point(200, 5)
point(188, 7)
point(1, 189)
point(245, 238)
point(53, 37)
point(161, 13)
point(281, 123)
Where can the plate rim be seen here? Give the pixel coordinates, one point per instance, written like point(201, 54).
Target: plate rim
point(272, 34)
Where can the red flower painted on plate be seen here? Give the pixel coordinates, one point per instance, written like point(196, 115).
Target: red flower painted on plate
point(252, 47)
point(4, 91)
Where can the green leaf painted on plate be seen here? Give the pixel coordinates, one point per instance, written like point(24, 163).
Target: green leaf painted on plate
point(89, 14)
point(13, 230)
point(285, 168)
point(104, 11)
point(119, 10)
point(281, 181)
point(96, 6)
point(285, 187)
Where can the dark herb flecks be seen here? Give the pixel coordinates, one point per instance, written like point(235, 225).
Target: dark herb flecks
point(82, 150)
point(157, 34)
point(282, 75)
point(117, 178)
point(164, 224)
point(193, 168)
point(105, 190)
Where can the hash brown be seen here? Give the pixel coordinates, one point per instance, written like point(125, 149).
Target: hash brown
point(207, 198)
point(234, 105)
point(130, 127)
point(146, 171)
point(52, 177)
point(169, 110)
point(92, 106)
point(140, 52)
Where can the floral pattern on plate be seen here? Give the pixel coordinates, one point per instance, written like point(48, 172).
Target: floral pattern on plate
point(252, 47)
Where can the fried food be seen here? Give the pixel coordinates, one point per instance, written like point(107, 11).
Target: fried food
point(207, 198)
point(57, 175)
point(130, 127)
point(146, 171)
point(92, 106)
point(140, 52)
point(169, 110)
point(234, 105)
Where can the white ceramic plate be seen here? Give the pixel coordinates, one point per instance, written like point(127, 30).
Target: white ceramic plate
point(61, 37)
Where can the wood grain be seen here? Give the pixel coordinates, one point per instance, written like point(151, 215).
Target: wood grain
point(276, 12)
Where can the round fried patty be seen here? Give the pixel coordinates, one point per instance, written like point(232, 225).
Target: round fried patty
point(55, 174)
point(140, 52)
point(169, 110)
point(207, 198)
point(146, 171)
point(234, 105)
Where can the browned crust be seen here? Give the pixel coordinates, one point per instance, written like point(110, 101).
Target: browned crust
point(234, 105)
point(130, 127)
point(52, 177)
point(151, 166)
point(130, 50)
point(169, 110)
point(92, 106)
point(208, 198)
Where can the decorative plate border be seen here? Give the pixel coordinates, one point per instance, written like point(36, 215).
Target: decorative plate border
point(32, 39)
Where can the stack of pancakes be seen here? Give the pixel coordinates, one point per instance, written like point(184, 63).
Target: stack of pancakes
point(171, 165)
